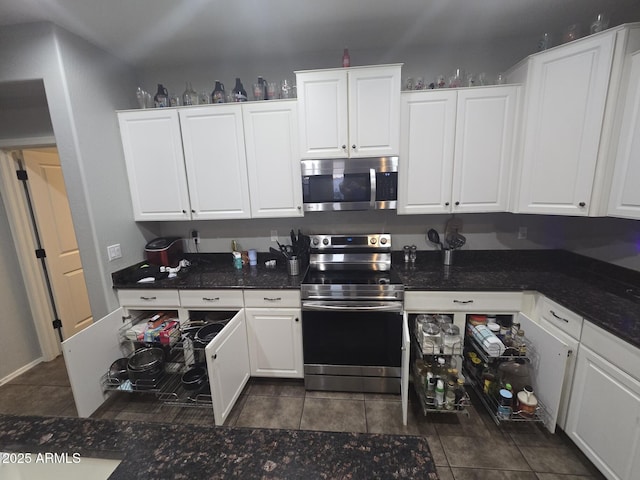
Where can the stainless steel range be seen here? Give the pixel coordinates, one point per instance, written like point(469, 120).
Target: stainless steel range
point(352, 303)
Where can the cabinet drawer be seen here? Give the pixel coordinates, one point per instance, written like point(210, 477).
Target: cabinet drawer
point(149, 298)
point(272, 298)
point(211, 298)
point(442, 302)
point(565, 320)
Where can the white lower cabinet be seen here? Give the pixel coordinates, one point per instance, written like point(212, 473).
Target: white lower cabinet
point(547, 353)
point(89, 354)
point(274, 336)
point(274, 333)
point(228, 366)
point(604, 413)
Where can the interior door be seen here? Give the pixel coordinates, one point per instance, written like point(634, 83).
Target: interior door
point(88, 355)
point(549, 363)
point(228, 366)
point(49, 197)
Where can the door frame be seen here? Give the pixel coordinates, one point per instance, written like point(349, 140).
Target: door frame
point(24, 242)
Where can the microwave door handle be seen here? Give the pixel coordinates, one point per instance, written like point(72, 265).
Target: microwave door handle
point(372, 178)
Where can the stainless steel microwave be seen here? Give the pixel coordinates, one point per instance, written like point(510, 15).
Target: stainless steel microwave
point(350, 184)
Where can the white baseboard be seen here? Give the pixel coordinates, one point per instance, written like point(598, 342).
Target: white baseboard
point(20, 371)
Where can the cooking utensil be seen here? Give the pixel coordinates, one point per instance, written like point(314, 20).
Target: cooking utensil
point(145, 367)
point(194, 378)
point(118, 370)
point(434, 237)
point(206, 333)
point(456, 241)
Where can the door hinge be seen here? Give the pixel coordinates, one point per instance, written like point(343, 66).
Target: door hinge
point(57, 323)
point(40, 253)
point(22, 175)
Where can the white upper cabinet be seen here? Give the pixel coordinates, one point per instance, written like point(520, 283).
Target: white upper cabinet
point(350, 112)
point(484, 148)
point(213, 162)
point(624, 200)
point(456, 149)
point(213, 139)
point(568, 123)
point(425, 173)
point(152, 146)
point(271, 140)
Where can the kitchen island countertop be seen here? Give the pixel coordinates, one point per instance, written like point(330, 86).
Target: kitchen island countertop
point(174, 451)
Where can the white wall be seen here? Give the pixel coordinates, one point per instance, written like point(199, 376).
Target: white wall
point(18, 342)
point(84, 86)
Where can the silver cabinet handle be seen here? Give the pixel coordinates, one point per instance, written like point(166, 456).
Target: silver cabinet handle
point(463, 301)
point(558, 317)
point(148, 298)
point(207, 299)
point(276, 299)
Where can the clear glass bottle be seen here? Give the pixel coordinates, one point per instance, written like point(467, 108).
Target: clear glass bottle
point(218, 94)
point(459, 393)
point(189, 96)
point(450, 396)
point(239, 93)
point(346, 58)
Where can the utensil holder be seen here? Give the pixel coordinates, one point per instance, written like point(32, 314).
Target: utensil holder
point(447, 256)
point(293, 266)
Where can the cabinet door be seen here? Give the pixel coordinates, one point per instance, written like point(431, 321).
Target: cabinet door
point(484, 146)
point(275, 342)
point(271, 141)
point(213, 139)
point(604, 416)
point(323, 119)
point(567, 89)
point(228, 366)
point(153, 155)
point(426, 151)
point(405, 367)
point(87, 356)
point(624, 200)
point(549, 362)
point(374, 111)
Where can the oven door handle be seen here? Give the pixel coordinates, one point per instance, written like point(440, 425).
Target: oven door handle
point(353, 307)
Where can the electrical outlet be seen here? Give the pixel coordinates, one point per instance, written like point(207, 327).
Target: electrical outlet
point(522, 233)
point(274, 235)
point(195, 236)
point(114, 251)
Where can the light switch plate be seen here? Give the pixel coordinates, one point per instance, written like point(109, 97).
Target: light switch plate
point(114, 251)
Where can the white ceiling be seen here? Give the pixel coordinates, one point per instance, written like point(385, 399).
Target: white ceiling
point(153, 33)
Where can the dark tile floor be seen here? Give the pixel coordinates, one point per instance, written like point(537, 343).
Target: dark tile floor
point(464, 447)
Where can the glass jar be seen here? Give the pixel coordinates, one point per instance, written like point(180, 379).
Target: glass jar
point(451, 340)
point(450, 396)
point(431, 339)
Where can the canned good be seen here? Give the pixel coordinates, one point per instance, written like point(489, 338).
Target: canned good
point(505, 400)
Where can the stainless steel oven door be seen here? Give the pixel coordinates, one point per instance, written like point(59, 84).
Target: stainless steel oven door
point(352, 346)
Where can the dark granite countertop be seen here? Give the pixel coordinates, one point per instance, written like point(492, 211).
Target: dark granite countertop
point(603, 293)
point(210, 271)
point(172, 451)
